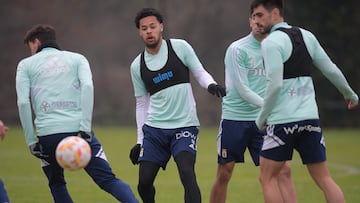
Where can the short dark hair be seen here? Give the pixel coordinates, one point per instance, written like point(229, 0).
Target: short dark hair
point(44, 33)
point(145, 12)
point(268, 5)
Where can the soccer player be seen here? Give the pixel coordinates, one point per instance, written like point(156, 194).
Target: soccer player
point(165, 107)
point(245, 85)
point(3, 194)
point(59, 86)
point(290, 109)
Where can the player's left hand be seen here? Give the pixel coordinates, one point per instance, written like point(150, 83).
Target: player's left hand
point(85, 135)
point(134, 154)
point(217, 90)
point(350, 104)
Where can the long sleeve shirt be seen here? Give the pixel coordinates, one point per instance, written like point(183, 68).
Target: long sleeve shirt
point(244, 79)
point(291, 100)
point(174, 106)
point(57, 86)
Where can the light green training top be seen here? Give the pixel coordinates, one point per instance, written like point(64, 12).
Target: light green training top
point(58, 85)
point(292, 100)
point(172, 107)
point(245, 80)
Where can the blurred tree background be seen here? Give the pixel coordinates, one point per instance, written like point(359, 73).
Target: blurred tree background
point(105, 33)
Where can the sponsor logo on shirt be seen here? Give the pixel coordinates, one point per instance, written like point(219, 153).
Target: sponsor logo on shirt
point(54, 67)
point(47, 107)
point(256, 72)
point(302, 91)
point(163, 76)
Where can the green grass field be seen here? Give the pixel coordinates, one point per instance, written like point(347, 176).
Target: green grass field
point(26, 183)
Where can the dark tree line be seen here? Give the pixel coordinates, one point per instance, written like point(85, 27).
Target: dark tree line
point(105, 33)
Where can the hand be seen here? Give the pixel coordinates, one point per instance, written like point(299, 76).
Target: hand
point(217, 90)
point(261, 127)
point(134, 154)
point(350, 104)
point(85, 135)
point(3, 130)
point(37, 150)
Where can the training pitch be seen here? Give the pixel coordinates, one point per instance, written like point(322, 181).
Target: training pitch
point(26, 183)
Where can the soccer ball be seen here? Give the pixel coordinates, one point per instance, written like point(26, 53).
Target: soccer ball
point(73, 153)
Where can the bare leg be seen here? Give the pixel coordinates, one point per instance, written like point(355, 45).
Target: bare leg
point(219, 188)
point(269, 172)
point(286, 185)
point(321, 175)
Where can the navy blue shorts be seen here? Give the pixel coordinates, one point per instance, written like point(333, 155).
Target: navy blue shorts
point(233, 139)
point(304, 136)
point(159, 144)
point(98, 168)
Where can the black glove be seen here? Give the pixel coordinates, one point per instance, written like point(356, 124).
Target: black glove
point(217, 90)
point(37, 150)
point(134, 154)
point(85, 135)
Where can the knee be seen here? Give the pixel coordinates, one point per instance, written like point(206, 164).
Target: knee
point(285, 172)
point(266, 178)
point(144, 186)
point(144, 182)
point(224, 175)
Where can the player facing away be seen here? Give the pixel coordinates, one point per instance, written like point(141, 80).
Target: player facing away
point(3, 194)
point(290, 110)
point(59, 86)
point(166, 115)
point(245, 85)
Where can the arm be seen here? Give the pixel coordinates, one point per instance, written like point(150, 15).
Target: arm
point(190, 59)
point(274, 80)
point(142, 105)
point(142, 97)
point(188, 56)
point(334, 75)
point(203, 77)
point(87, 94)
point(23, 102)
point(235, 65)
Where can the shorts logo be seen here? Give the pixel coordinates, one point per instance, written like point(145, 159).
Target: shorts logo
point(271, 140)
point(141, 152)
point(224, 153)
point(184, 134)
point(193, 145)
point(44, 163)
point(322, 141)
point(101, 154)
point(187, 134)
point(296, 128)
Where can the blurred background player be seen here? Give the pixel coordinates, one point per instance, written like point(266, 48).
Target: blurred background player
point(59, 86)
point(290, 110)
point(245, 85)
point(165, 106)
point(3, 194)
point(3, 130)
